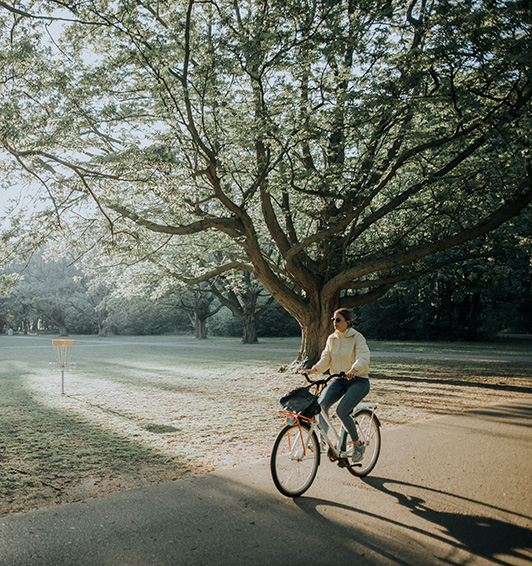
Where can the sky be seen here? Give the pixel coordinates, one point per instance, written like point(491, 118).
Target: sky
point(14, 199)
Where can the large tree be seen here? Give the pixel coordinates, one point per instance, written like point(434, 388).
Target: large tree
point(334, 148)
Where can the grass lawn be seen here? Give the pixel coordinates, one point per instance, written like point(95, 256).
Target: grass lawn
point(141, 410)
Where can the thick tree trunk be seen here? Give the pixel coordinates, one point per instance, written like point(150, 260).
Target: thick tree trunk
point(315, 328)
point(249, 330)
point(200, 328)
point(311, 346)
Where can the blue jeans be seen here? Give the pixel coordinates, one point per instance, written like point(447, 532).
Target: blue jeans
point(352, 391)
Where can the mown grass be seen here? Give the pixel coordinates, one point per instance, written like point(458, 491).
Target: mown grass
point(140, 410)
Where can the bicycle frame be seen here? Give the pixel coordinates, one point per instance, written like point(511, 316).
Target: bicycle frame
point(334, 444)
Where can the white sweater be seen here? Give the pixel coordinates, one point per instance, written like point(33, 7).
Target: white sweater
point(343, 352)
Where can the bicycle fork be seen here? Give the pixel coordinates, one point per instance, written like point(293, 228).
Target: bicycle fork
point(298, 447)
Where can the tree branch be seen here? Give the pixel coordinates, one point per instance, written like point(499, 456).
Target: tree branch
point(229, 226)
point(373, 265)
point(213, 273)
point(24, 14)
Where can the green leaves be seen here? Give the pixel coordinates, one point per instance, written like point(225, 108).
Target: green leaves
point(337, 145)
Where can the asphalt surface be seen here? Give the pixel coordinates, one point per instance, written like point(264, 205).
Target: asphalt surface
point(454, 490)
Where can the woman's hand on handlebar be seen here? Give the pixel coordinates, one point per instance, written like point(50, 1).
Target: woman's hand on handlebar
point(323, 381)
point(326, 379)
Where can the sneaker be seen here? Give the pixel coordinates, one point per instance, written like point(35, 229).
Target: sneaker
point(358, 453)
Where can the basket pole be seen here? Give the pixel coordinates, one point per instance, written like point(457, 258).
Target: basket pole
point(63, 349)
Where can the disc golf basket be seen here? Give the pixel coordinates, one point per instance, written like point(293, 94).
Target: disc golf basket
point(63, 352)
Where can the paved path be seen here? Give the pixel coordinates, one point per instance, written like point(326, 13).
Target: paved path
point(453, 490)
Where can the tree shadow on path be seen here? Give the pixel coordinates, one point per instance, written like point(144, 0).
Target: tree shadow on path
point(481, 535)
point(452, 382)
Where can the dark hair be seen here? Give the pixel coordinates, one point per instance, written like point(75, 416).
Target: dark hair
point(346, 313)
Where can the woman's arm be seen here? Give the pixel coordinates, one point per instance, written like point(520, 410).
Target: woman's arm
point(324, 362)
point(361, 365)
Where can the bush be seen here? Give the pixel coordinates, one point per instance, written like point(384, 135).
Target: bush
point(143, 317)
point(223, 323)
point(274, 321)
point(277, 322)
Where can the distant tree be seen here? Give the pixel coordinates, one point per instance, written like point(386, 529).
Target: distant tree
point(19, 310)
point(98, 303)
point(52, 291)
point(277, 322)
point(199, 305)
point(245, 298)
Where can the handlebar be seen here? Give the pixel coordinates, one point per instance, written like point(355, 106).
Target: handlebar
point(323, 381)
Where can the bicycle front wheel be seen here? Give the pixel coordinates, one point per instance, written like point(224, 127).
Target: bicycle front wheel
point(370, 434)
point(295, 459)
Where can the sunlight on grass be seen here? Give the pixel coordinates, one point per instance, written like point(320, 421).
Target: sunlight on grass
point(147, 409)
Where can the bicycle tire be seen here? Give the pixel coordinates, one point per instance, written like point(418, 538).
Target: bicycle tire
point(369, 432)
point(293, 468)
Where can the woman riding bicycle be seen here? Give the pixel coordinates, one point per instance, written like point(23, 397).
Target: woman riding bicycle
point(346, 351)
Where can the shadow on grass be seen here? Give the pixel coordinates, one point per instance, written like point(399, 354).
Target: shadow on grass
point(44, 447)
point(453, 382)
point(161, 429)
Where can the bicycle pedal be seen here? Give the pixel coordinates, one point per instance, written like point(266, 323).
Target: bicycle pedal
point(346, 463)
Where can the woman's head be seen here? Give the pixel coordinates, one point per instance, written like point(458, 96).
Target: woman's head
point(342, 319)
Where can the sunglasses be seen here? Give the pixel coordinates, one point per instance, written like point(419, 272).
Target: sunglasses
point(337, 320)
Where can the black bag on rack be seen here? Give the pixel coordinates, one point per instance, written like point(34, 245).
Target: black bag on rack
point(301, 401)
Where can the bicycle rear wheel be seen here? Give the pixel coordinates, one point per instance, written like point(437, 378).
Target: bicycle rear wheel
point(295, 459)
point(370, 434)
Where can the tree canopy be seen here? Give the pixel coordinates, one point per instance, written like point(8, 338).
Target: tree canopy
point(333, 148)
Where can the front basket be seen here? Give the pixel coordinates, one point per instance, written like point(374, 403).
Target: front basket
point(301, 401)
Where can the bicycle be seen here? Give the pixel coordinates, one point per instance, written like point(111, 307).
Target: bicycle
point(296, 451)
